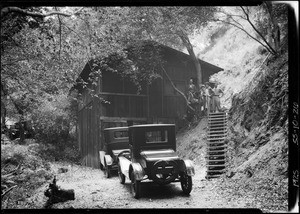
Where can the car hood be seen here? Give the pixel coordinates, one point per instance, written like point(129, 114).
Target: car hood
point(155, 155)
point(116, 152)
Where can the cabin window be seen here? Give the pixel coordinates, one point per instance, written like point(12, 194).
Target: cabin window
point(120, 134)
point(156, 136)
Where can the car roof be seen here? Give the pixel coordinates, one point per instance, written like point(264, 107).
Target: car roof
point(151, 125)
point(117, 128)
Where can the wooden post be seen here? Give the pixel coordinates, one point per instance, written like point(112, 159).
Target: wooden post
point(148, 97)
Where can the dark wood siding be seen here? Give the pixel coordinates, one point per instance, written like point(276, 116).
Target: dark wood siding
point(155, 98)
point(124, 105)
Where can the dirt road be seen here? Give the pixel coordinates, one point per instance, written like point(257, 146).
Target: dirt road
point(93, 190)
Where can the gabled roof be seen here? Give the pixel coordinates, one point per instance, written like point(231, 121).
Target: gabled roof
point(212, 68)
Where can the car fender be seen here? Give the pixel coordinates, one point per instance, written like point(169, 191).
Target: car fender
point(124, 165)
point(101, 156)
point(138, 171)
point(189, 167)
point(108, 160)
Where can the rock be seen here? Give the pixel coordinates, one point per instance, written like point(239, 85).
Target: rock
point(62, 170)
point(41, 172)
point(230, 174)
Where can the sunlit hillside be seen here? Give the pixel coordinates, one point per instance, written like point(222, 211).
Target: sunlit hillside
point(233, 50)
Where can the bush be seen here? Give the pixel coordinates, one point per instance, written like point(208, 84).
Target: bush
point(53, 119)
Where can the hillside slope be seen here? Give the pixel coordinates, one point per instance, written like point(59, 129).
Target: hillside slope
point(256, 92)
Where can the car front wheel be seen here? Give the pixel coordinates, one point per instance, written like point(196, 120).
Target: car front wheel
point(186, 183)
point(121, 175)
point(135, 187)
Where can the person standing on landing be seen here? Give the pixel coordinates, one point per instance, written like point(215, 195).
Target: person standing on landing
point(216, 104)
point(208, 96)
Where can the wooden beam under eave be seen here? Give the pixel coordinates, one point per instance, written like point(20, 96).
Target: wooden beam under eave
point(122, 119)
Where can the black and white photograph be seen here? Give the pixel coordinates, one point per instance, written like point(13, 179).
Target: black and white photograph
point(150, 107)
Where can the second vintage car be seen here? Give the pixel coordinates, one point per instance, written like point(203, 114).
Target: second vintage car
point(115, 143)
point(153, 156)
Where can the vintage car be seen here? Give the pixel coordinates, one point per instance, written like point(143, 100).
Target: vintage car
point(153, 157)
point(115, 143)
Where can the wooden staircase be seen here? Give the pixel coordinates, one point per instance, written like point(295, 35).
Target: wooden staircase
point(216, 145)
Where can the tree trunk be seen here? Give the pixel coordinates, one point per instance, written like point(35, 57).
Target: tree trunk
point(22, 130)
point(3, 105)
point(186, 41)
point(3, 115)
point(56, 195)
point(274, 27)
point(21, 127)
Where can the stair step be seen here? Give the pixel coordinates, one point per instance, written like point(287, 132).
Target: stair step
point(211, 120)
point(216, 139)
point(216, 150)
point(217, 113)
point(216, 170)
point(216, 128)
point(215, 158)
point(218, 160)
point(216, 165)
point(212, 176)
point(212, 145)
point(217, 147)
point(217, 135)
point(223, 131)
point(209, 153)
point(217, 144)
point(215, 155)
point(218, 124)
point(217, 116)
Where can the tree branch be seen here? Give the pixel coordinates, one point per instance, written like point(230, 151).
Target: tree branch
point(218, 20)
point(7, 191)
point(7, 10)
point(180, 92)
point(263, 38)
point(59, 21)
point(232, 15)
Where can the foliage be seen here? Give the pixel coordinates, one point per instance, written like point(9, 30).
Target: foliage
point(43, 48)
point(53, 119)
point(22, 170)
point(267, 22)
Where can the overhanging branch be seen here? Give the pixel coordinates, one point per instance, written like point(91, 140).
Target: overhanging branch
point(265, 46)
point(7, 10)
point(176, 89)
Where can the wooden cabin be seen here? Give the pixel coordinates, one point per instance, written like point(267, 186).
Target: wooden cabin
point(118, 104)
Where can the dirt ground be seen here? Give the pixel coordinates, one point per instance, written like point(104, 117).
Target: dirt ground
point(93, 190)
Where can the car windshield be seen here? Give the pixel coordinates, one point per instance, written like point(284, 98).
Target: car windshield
point(120, 134)
point(156, 136)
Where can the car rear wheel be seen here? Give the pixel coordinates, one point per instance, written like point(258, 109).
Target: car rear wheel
point(107, 171)
point(186, 183)
point(135, 186)
point(121, 175)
